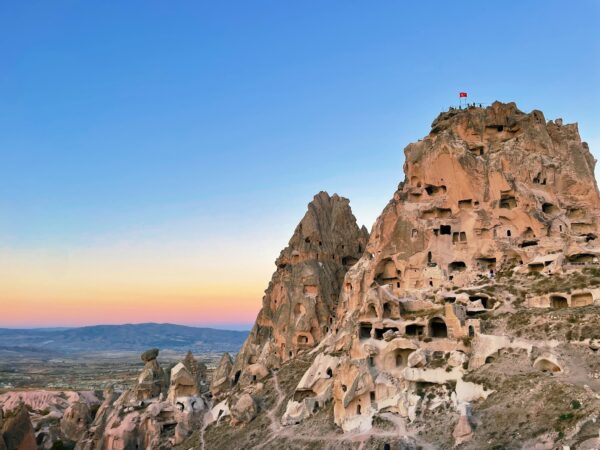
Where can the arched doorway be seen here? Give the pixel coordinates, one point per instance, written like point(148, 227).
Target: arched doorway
point(437, 328)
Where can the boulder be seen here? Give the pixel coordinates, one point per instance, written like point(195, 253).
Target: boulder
point(245, 409)
point(149, 355)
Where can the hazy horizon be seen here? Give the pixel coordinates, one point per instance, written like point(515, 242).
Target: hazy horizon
point(157, 157)
point(228, 327)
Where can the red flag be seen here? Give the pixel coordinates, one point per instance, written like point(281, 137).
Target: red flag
point(462, 94)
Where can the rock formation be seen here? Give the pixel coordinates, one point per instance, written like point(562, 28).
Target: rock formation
point(478, 290)
point(150, 416)
point(17, 431)
point(152, 381)
point(300, 303)
point(76, 420)
point(220, 381)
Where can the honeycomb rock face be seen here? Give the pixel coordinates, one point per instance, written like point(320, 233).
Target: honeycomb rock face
point(300, 303)
point(490, 192)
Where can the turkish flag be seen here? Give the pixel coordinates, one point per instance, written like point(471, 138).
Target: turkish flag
point(462, 94)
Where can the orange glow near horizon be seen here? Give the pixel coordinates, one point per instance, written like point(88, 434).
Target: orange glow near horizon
point(133, 284)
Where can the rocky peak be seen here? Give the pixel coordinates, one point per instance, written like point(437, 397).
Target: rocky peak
point(327, 231)
point(490, 192)
point(300, 303)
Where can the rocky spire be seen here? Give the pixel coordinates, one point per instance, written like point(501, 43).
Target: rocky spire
point(300, 303)
point(220, 380)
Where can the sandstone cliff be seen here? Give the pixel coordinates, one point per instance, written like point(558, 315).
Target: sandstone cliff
point(477, 291)
point(300, 303)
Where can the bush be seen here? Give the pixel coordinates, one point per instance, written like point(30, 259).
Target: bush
point(575, 404)
point(566, 416)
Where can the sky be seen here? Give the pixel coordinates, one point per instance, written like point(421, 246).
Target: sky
point(156, 156)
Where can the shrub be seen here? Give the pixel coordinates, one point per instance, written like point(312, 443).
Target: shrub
point(575, 404)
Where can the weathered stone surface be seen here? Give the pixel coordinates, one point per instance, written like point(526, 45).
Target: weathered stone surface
point(76, 420)
point(244, 409)
point(2, 443)
point(149, 355)
point(300, 303)
point(489, 192)
point(221, 382)
point(17, 431)
point(152, 381)
point(144, 416)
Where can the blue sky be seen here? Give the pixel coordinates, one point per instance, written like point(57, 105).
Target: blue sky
point(197, 132)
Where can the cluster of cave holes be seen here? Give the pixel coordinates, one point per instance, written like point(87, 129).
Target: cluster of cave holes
point(437, 329)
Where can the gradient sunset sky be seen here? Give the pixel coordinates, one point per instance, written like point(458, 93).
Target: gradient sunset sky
point(156, 156)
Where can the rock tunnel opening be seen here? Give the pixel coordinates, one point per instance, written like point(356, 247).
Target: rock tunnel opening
point(529, 243)
point(549, 208)
point(558, 302)
point(508, 202)
point(457, 266)
point(465, 204)
point(414, 330)
point(365, 330)
point(545, 365)
point(582, 258)
point(387, 310)
point(437, 328)
point(486, 302)
point(435, 190)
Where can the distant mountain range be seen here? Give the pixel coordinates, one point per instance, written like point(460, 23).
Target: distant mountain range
point(128, 337)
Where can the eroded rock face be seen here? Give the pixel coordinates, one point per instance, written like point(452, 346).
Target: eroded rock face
point(490, 192)
point(299, 304)
point(150, 415)
point(152, 381)
point(221, 382)
point(17, 431)
point(76, 420)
